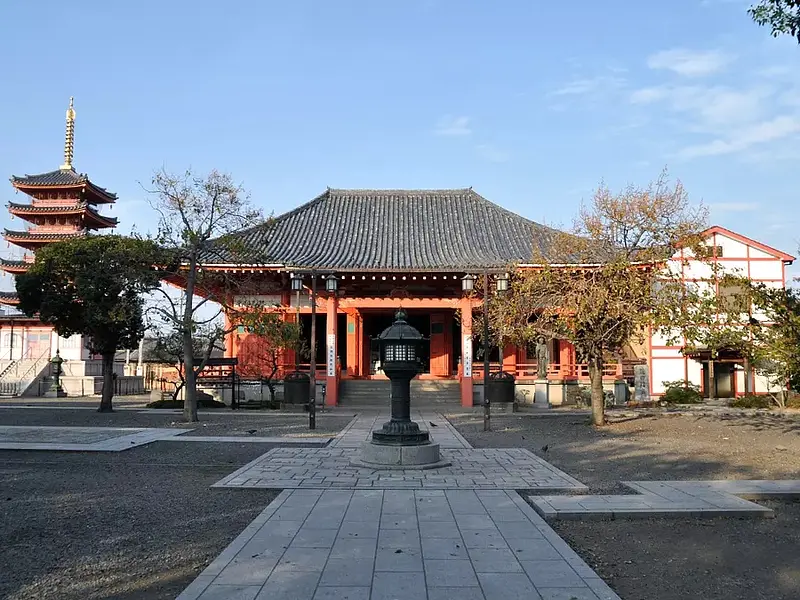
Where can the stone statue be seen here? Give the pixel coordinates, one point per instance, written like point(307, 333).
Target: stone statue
point(542, 357)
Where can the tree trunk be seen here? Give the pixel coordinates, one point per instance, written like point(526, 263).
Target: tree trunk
point(108, 383)
point(712, 380)
point(598, 398)
point(190, 382)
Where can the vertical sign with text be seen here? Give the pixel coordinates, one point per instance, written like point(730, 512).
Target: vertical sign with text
point(466, 359)
point(331, 355)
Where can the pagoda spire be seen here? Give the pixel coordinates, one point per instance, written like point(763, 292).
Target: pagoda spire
point(69, 141)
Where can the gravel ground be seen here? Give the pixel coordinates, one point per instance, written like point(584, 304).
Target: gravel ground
point(133, 525)
point(660, 447)
point(672, 559)
point(226, 423)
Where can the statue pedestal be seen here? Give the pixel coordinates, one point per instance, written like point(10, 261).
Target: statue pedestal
point(541, 393)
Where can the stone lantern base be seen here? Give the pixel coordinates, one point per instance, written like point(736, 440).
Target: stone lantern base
point(393, 456)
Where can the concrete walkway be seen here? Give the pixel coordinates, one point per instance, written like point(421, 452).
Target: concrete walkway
point(672, 498)
point(81, 439)
point(398, 545)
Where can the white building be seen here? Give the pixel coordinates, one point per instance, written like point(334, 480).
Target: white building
point(736, 254)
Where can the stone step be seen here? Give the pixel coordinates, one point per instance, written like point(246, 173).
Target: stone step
point(376, 392)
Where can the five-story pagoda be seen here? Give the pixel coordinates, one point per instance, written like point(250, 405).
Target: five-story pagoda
point(63, 204)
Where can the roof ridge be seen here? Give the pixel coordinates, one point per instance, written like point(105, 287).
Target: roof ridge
point(398, 191)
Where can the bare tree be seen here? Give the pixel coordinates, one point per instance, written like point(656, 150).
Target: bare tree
point(198, 217)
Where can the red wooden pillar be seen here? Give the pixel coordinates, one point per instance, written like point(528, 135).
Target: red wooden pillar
point(567, 360)
point(440, 352)
point(466, 352)
point(229, 353)
point(332, 374)
point(353, 336)
point(510, 359)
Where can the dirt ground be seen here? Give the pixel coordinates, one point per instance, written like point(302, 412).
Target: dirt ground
point(677, 558)
point(133, 525)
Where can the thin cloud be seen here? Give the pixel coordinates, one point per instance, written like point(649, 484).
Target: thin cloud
point(714, 108)
point(746, 137)
point(453, 126)
point(689, 63)
point(589, 85)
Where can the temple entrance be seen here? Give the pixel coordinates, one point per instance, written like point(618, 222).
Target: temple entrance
point(439, 356)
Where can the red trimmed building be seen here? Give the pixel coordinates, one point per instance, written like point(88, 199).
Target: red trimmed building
point(410, 249)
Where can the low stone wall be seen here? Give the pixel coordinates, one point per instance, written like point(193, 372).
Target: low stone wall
point(93, 386)
point(559, 392)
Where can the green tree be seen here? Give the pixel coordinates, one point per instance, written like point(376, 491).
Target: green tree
point(93, 286)
point(601, 285)
point(779, 340)
point(782, 16)
point(198, 216)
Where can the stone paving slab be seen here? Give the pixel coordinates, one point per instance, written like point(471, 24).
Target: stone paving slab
point(672, 498)
point(398, 545)
point(472, 468)
point(284, 440)
point(81, 439)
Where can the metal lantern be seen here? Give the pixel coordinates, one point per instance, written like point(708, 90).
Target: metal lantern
point(468, 283)
point(502, 283)
point(400, 350)
point(331, 284)
point(297, 282)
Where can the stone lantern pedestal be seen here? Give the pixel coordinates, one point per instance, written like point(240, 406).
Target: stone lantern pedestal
point(400, 443)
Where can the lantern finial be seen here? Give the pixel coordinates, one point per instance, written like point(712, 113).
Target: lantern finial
point(400, 315)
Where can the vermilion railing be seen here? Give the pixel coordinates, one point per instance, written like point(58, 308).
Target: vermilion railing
point(554, 371)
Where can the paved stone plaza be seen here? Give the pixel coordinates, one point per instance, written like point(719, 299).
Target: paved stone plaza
point(80, 439)
point(486, 468)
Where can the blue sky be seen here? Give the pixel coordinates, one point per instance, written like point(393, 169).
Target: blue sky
point(532, 103)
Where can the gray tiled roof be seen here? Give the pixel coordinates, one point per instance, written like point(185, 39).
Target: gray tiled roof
point(65, 177)
point(429, 230)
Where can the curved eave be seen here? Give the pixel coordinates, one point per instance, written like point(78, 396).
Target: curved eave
point(28, 240)
point(28, 210)
point(9, 298)
point(99, 195)
point(100, 220)
point(15, 267)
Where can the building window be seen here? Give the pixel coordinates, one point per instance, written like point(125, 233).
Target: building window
point(719, 251)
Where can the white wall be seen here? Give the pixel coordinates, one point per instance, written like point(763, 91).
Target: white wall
point(736, 258)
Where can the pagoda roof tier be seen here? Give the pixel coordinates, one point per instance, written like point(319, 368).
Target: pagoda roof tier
point(98, 220)
point(452, 230)
point(9, 298)
point(33, 239)
point(64, 179)
point(14, 266)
